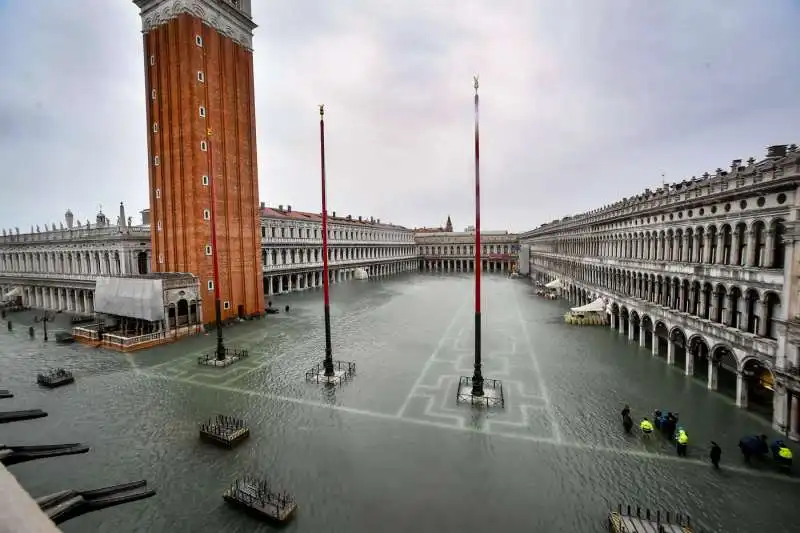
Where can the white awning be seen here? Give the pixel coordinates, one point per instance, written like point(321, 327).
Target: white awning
point(555, 284)
point(597, 306)
point(130, 297)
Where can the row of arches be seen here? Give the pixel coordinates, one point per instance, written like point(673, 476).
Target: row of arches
point(756, 243)
point(737, 305)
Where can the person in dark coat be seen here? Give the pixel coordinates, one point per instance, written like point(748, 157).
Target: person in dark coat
point(715, 454)
point(626, 411)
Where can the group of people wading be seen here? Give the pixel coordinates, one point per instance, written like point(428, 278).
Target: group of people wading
point(667, 423)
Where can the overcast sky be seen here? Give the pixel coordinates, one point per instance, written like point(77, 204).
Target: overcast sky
point(582, 103)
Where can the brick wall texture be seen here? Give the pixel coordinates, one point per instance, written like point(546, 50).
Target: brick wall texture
point(176, 129)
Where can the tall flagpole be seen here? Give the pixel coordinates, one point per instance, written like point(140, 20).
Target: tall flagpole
point(477, 377)
point(214, 251)
point(328, 363)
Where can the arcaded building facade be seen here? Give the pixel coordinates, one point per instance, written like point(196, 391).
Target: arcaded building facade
point(703, 273)
point(202, 147)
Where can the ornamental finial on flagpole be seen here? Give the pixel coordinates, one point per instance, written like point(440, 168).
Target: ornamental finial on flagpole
point(321, 110)
point(475, 79)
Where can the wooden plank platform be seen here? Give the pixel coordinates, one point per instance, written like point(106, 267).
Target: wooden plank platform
point(629, 524)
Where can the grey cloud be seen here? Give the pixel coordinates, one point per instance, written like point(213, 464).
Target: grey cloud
point(582, 102)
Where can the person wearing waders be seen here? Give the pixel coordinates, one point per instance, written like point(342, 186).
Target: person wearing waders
point(715, 454)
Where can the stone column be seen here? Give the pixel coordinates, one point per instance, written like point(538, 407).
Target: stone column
point(762, 319)
point(707, 248)
point(751, 248)
point(689, 370)
point(735, 244)
point(741, 390)
point(794, 418)
point(654, 345)
point(713, 372)
point(769, 249)
point(642, 336)
point(670, 352)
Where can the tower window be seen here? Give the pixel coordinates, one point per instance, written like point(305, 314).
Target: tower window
point(202, 111)
point(152, 60)
point(161, 258)
point(155, 127)
point(158, 193)
point(208, 249)
point(200, 76)
point(156, 161)
point(206, 214)
point(153, 94)
point(205, 180)
point(211, 284)
point(198, 40)
point(158, 225)
point(204, 146)
point(226, 305)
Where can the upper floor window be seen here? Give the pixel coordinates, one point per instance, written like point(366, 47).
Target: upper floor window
point(153, 94)
point(202, 111)
point(158, 193)
point(152, 60)
point(206, 214)
point(203, 146)
point(205, 180)
point(155, 127)
point(156, 160)
point(200, 76)
point(198, 40)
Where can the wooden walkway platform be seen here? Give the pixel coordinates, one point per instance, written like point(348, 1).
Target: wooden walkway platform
point(631, 524)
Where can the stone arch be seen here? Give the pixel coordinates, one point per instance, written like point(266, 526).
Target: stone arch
point(182, 312)
point(624, 317)
point(758, 387)
point(679, 345)
point(725, 364)
point(141, 262)
point(699, 351)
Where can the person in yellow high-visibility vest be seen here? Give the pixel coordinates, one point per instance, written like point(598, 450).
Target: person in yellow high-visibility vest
point(646, 426)
point(681, 442)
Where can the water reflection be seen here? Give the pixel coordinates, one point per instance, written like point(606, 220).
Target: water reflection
point(353, 462)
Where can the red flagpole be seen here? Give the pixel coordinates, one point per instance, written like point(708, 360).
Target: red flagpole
point(328, 362)
point(477, 377)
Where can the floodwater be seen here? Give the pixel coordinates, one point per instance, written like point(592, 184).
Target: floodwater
point(391, 451)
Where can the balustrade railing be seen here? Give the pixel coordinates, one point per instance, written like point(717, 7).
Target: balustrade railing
point(336, 264)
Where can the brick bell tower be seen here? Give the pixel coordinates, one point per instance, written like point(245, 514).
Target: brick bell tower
point(201, 147)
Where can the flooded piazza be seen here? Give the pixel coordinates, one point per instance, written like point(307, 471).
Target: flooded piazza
point(391, 450)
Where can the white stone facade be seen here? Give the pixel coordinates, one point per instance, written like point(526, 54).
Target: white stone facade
point(705, 270)
point(442, 251)
point(292, 249)
point(56, 269)
point(232, 18)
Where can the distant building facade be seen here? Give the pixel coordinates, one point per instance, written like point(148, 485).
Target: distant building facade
point(704, 273)
point(292, 248)
point(56, 268)
point(443, 250)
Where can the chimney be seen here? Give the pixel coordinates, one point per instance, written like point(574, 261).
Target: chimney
point(333, 214)
point(359, 219)
point(122, 215)
point(776, 151)
point(288, 209)
point(379, 221)
point(280, 207)
point(735, 164)
point(263, 205)
point(371, 220)
point(145, 217)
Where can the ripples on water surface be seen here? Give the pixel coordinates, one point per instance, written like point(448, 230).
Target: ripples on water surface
point(352, 463)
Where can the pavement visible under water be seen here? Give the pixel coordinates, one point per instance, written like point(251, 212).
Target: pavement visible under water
point(391, 450)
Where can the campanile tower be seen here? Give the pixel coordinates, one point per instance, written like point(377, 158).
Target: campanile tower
point(201, 147)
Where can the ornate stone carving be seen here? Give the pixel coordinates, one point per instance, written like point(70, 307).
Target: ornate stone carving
point(237, 27)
